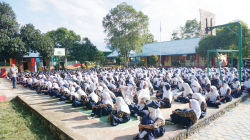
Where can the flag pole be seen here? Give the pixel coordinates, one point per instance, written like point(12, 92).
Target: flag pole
point(160, 43)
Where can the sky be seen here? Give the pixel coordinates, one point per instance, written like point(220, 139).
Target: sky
point(85, 16)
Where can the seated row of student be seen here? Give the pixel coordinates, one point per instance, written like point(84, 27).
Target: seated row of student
point(152, 125)
point(186, 117)
point(186, 94)
point(139, 107)
point(166, 98)
point(103, 107)
point(158, 83)
point(215, 79)
point(121, 115)
point(246, 85)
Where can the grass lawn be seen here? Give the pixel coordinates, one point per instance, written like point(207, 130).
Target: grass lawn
point(17, 123)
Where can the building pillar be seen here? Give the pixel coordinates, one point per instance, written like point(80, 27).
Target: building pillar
point(171, 60)
point(32, 64)
point(166, 60)
point(193, 59)
point(198, 57)
point(110, 59)
point(135, 60)
point(179, 57)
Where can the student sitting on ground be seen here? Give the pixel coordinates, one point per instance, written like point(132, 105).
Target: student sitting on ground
point(213, 98)
point(202, 102)
point(152, 126)
point(102, 108)
point(196, 87)
point(187, 117)
point(186, 94)
point(236, 89)
point(121, 115)
point(246, 86)
point(225, 93)
point(167, 97)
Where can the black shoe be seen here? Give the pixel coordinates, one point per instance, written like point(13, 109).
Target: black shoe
point(176, 100)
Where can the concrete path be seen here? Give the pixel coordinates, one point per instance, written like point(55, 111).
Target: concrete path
point(234, 125)
point(74, 122)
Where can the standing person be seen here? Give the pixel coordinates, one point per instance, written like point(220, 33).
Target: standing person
point(13, 72)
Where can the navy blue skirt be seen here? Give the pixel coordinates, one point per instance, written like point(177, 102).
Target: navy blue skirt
point(211, 104)
point(236, 94)
point(134, 110)
point(105, 111)
point(152, 133)
point(116, 120)
point(227, 99)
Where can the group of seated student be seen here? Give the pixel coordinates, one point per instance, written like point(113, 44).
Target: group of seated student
point(129, 91)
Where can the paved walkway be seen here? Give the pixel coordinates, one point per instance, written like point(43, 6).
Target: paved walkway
point(234, 125)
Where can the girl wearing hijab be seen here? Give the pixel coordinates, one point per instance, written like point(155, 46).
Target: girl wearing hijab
point(202, 102)
point(91, 100)
point(225, 93)
point(102, 108)
point(186, 95)
point(81, 97)
point(236, 89)
point(167, 97)
point(205, 84)
point(187, 117)
point(121, 115)
point(246, 85)
point(139, 107)
point(213, 98)
point(196, 87)
point(153, 125)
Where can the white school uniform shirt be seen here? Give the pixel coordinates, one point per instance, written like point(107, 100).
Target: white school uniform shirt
point(30, 81)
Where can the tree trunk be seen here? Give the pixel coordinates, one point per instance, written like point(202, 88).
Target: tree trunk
point(87, 67)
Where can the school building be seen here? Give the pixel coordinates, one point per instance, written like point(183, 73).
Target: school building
point(171, 52)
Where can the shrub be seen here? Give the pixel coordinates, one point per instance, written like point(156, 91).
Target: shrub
point(153, 59)
point(39, 68)
point(119, 59)
point(26, 71)
point(143, 63)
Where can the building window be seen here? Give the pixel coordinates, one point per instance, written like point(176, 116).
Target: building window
point(4, 62)
point(190, 57)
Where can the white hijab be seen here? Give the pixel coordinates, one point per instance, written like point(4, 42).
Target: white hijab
point(142, 94)
point(214, 94)
point(93, 96)
point(195, 107)
point(223, 90)
point(107, 99)
point(197, 86)
point(180, 84)
point(155, 114)
point(187, 90)
point(247, 83)
point(121, 105)
point(167, 94)
point(199, 97)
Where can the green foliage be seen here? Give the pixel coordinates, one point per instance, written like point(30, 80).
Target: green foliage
point(39, 69)
point(153, 59)
point(99, 56)
point(26, 71)
point(83, 51)
point(30, 36)
point(119, 59)
point(149, 38)
point(125, 28)
point(64, 38)
point(46, 47)
point(191, 29)
point(143, 63)
point(227, 40)
point(10, 41)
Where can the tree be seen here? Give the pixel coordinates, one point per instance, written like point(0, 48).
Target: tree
point(119, 59)
point(191, 29)
point(10, 41)
point(46, 47)
point(30, 36)
point(153, 59)
point(149, 38)
point(99, 56)
point(125, 29)
point(64, 38)
point(227, 40)
point(83, 51)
